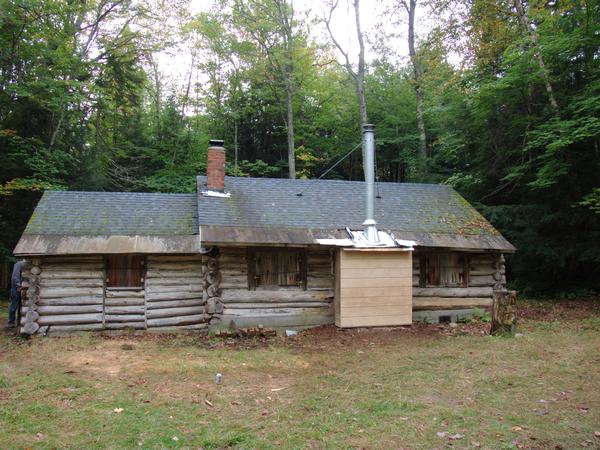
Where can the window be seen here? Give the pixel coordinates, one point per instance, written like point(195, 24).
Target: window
point(277, 267)
point(448, 269)
point(125, 271)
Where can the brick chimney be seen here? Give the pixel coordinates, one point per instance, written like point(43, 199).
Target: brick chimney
point(215, 167)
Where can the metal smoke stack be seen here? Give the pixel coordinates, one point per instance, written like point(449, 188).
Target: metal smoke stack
point(370, 226)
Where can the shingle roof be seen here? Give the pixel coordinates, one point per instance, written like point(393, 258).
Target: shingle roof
point(114, 213)
point(333, 204)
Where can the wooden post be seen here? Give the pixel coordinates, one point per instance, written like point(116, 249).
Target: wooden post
point(212, 286)
point(33, 295)
point(504, 319)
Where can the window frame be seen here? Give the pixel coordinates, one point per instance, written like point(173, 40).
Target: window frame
point(425, 264)
point(112, 263)
point(251, 260)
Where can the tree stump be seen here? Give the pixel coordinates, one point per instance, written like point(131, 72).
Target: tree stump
point(504, 318)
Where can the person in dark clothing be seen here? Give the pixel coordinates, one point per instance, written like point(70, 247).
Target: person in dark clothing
point(15, 292)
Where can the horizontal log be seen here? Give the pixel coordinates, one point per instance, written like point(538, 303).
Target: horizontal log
point(124, 318)
point(65, 267)
point(76, 274)
point(440, 303)
point(173, 312)
point(124, 302)
point(132, 309)
point(229, 306)
point(481, 280)
point(481, 272)
point(124, 293)
point(237, 284)
point(327, 309)
point(228, 272)
point(235, 279)
point(67, 328)
point(175, 303)
point(70, 319)
point(153, 297)
point(161, 288)
point(153, 274)
point(172, 281)
point(88, 300)
point(260, 296)
point(177, 321)
point(277, 321)
point(453, 292)
point(178, 328)
point(125, 325)
point(175, 268)
point(72, 282)
point(54, 292)
point(48, 310)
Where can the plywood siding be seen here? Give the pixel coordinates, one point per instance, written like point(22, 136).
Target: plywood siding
point(373, 288)
point(289, 306)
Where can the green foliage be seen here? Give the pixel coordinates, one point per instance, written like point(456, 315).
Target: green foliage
point(83, 105)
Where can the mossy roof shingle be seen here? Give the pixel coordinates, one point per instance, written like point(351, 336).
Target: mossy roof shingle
point(333, 204)
point(114, 213)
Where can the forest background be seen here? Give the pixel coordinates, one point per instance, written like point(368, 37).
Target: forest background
point(498, 98)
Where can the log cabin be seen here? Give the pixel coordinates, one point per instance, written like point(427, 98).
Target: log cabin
point(245, 252)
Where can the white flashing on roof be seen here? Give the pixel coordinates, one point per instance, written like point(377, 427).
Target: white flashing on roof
point(216, 194)
point(336, 242)
point(359, 240)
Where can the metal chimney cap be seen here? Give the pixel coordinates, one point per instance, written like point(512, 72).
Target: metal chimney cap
point(216, 142)
point(368, 127)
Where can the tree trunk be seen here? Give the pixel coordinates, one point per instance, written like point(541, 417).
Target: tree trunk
point(504, 319)
point(290, 127)
point(360, 75)
point(411, 10)
point(235, 144)
point(524, 19)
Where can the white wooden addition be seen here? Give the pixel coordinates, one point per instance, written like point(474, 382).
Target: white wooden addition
point(373, 287)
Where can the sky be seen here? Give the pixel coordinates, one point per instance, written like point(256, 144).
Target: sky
point(175, 64)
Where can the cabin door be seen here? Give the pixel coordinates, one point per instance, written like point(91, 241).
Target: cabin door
point(124, 296)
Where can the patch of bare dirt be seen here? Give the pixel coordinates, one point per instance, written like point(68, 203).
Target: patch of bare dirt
point(557, 310)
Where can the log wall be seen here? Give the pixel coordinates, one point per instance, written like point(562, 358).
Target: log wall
point(174, 292)
point(486, 275)
point(285, 307)
point(70, 294)
point(191, 292)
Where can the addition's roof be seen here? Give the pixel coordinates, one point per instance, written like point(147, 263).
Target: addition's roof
point(284, 211)
point(111, 222)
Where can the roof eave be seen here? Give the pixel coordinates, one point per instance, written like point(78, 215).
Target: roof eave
point(231, 235)
point(39, 245)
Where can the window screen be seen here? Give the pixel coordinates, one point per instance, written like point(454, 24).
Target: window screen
point(125, 270)
point(444, 269)
point(277, 268)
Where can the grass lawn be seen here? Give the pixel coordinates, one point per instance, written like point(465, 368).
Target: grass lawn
point(428, 386)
